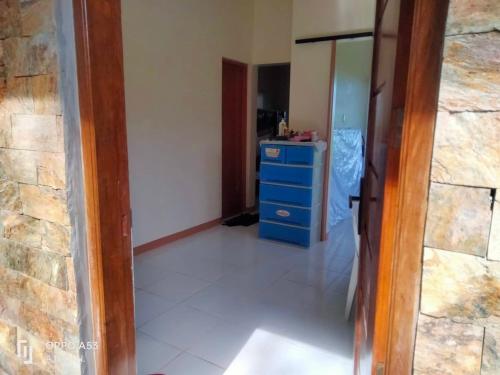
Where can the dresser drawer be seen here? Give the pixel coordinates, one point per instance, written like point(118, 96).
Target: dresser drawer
point(285, 233)
point(273, 153)
point(302, 176)
point(286, 194)
point(285, 214)
point(301, 155)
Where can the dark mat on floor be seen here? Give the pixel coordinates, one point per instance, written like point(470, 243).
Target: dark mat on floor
point(244, 220)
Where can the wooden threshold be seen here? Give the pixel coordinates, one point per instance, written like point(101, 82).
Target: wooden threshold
point(175, 236)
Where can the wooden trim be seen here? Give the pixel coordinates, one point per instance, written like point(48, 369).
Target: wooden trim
point(104, 151)
point(390, 197)
point(174, 237)
point(328, 156)
point(417, 143)
point(244, 105)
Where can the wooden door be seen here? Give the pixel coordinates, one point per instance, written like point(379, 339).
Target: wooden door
point(234, 98)
point(378, 203)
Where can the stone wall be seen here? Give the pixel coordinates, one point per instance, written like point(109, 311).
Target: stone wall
point(459, 323)
point(37, 283)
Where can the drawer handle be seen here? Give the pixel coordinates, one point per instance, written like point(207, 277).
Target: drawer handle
point(283, 213)
point(287, 202)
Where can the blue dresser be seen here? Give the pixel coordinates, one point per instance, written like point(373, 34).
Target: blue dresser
point(291, 191)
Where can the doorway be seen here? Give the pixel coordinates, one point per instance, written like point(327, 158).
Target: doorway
point(350, 102)
point(273, 101)
point(351, 74)
point(234, 112)
point(110, 237)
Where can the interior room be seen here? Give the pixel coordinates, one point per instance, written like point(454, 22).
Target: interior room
point(231, 121)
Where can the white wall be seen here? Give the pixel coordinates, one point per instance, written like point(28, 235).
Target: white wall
point(310, 75)
point(172, 56)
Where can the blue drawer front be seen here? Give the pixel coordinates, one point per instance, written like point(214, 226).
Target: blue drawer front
point(302, 155)
point(285, 214)
point(273, 153)
point(285, 233)
point(286, 175)
point(286, 194)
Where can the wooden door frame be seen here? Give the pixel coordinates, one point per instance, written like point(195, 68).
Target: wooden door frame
point(99, 57)
point(417, 141)
point(244, 122)
point(104, 150)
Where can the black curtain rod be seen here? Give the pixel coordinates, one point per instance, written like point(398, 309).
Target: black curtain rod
point(333, 37)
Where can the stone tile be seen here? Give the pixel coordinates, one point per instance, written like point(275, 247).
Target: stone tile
point(43, 355)
point(8, 337)
point(19, 95)
point(44, 266)
point(32, 95)
point(32, 167)
point(10, 24)
point(51, 169)
point(15, 51)
point(494, 243)
point(37, 16)
point(56, 238)
point(460, 287)
point(46, 94)
point(66, 363)
point(10, 364)
point(30, 56)
point(60, 131)
point(473, 16)
point(48, 299)
point(447, 348)
point(458, 219)
point(467, 149)
point(470, 79)
point(491, 352)
point(21, 228)
point(5, 130)
point(40, 324)
point(9, 308)
point(71, 275)
point(465, 16)
point(36, 132)
point(18, 165)
point(9, 196)
point(44, 203)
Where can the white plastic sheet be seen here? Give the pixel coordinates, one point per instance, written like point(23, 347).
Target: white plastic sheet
point(346, 170)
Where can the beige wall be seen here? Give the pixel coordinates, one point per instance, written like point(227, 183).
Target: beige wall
point(172, 55)
point(272, 31)
point(310, 73)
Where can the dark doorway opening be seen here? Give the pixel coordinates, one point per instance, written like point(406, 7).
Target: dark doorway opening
point(273, 99)
point(234, 113)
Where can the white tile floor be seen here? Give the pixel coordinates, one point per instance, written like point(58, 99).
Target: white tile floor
point(226, 302)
